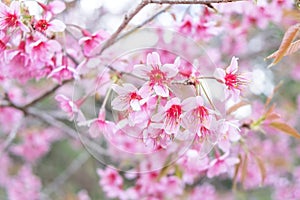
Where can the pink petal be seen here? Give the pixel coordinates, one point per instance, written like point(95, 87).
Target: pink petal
point(158, 116)
point(57, 6)
point(153, 59)
point(23, 27)
point(129, 87)
point(119, 104)
point(233, 67)
point(142, 70)
point(161, 90)
point(56, 26)
point(232, 161)
point(189, 104)
point(220, 74)
point(170, 70)
point(135, 105)
point(15, 7)
point(145, 91)
point(119, 90)
point(54, 45)
point(61, 97)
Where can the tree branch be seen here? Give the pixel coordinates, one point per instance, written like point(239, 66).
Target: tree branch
point(204, 2)
point(126, 20)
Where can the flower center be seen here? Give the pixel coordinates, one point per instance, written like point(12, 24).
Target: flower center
point(174, 112)
point(11, 19)
point(157, 76)
point(41, 25)
point(134, 95)
point(201, 112)
point(231, 80)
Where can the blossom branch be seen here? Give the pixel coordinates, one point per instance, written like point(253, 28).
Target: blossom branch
point(63, 177)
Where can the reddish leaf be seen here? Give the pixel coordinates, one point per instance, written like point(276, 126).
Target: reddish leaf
point(244, 169)
point(262, 168)
point(287, 40)
point(285, 128)
point(236, 171)
point(295, 46)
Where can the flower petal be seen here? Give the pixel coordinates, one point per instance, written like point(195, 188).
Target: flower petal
point(170, 70)
point(56, 26)
point(161, 90)
point(153, 59)
point(220, 74)
point(233, 67)
point(141, 70)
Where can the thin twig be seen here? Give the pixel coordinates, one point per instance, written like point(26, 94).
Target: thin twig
point(46, 94)
point(50, 120)
point(12, 135)
point(143, 23)
point(126, 20)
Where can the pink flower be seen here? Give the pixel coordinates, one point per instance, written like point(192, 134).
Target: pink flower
point(83, 195)
point(90, 42)
point(64, 72)
point(10, 16)
point(100, 125)
point(25, 186)
point(171, 116)
point(129, 98)
point(70, 107)
point(111, 182)
point(155, 136)
point(229, 132)
point(232, 80)
point(42, 50)
point(206, 190)
point(196, 115)
point(221, 165)
point(159, 75)
point(35, 144)
point(53, 8)
point(44, 25)
point(187, 25)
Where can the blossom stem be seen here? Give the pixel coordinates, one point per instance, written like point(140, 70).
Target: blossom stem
point(207, 97)
point(106, 98)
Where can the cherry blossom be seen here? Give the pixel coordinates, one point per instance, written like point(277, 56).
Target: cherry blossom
point(231, 78)
point(196, 115)
point(24, 179)
point(111, 182)
point(53, 7)
point(44, 25)
point(129, 98)
point(159, 75)
point(221, 165)
point(10, 17)
point(100, 125)
point(72, 108)
point(64, 71)
point(91, 42)
point(171, 115)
